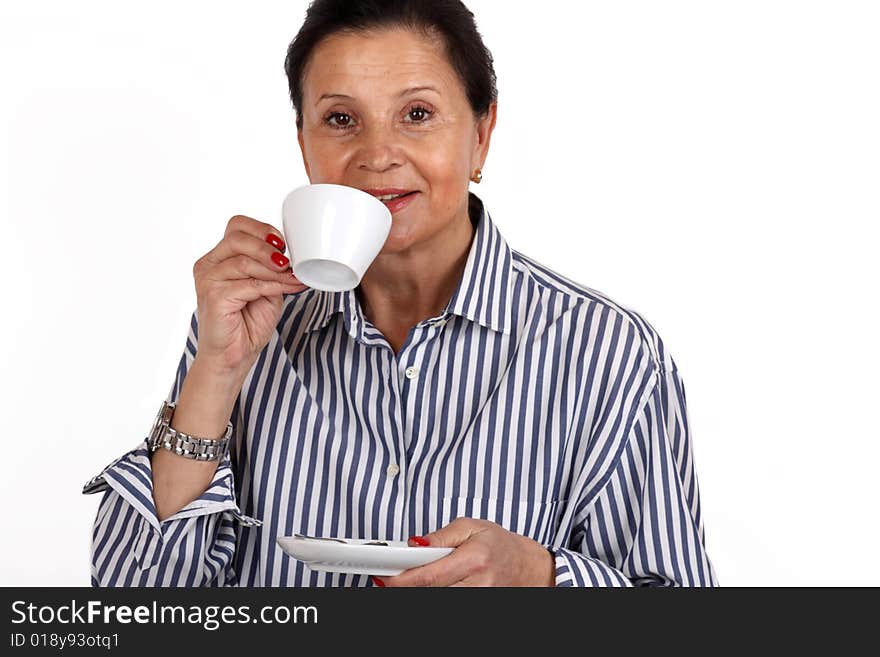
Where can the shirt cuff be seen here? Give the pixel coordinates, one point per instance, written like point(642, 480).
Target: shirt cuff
point(576, 569)
point(131, 476)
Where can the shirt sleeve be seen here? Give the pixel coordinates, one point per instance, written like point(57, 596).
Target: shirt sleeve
point(644, 527)
point(194, 547)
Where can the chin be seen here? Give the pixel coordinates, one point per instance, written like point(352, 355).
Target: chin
point(400, 237)
point(392, 247)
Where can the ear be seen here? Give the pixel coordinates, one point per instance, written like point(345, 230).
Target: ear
point(485, 127)
point(302, 150)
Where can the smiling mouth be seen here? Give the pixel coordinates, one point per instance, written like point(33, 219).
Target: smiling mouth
point(391, 197)
point(385, 198)
point(388, 193)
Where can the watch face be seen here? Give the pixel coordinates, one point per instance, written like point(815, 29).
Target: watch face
point(163, 419)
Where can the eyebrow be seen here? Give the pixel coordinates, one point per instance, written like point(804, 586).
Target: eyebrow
point(413, 90)
point(405, 92)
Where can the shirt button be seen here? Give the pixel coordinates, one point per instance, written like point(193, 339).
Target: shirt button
point(412, 372)
point(393, 470)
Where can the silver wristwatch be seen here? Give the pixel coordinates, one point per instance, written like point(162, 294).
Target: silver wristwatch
point(200, 449)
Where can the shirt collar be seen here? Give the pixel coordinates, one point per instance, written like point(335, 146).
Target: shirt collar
point(484, 294)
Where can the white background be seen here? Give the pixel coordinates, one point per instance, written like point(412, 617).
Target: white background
point(713, 165)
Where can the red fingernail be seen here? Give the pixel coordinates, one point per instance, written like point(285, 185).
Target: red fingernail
point(420, 540)
point(280, 260)
point(378, 582)
point(275, 241)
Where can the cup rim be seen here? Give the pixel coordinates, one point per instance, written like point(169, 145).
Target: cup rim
point(359, 196)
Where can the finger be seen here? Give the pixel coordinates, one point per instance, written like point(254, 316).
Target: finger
point(452, 535)
point(250, 289)
point(259, 229)
point(240, 243)
point(262, 233)
point(472, 582)
point(244, 266)
point(446, 571)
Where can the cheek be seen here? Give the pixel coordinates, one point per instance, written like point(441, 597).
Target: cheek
point(450, 158)
point(327, 160)
point(444, 165)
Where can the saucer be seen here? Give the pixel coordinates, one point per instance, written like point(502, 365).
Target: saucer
point(359, 557)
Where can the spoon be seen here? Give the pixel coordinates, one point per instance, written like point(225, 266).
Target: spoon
point(319, 538)
point(337, 540)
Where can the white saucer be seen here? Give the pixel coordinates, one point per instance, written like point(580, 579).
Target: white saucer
point(357, 557)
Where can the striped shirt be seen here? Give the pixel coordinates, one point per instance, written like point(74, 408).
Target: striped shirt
point(531, 401)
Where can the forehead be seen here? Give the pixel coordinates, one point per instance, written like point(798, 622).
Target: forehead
point(377, 61)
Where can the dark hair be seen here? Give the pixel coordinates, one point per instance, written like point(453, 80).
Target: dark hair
point(449, 19)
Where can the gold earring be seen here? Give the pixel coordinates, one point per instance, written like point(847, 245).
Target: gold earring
point(478, 176)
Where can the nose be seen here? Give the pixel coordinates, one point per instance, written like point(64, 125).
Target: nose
point(379, 150)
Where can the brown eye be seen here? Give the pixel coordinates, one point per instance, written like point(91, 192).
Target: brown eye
point(341, 120)
point(419, 114)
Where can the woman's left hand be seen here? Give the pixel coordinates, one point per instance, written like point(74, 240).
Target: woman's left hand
point(485, 554)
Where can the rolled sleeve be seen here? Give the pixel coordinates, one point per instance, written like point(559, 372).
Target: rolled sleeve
point(131, 476)
point(193, 547)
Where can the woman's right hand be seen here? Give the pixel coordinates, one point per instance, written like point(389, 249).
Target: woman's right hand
point(240, 285)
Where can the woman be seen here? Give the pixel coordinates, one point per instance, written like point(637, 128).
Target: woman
point(463, 395)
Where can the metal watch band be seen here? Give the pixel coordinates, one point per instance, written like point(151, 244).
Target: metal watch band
point(182, 444)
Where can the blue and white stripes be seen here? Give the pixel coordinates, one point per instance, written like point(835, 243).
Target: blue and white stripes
point(531, 401)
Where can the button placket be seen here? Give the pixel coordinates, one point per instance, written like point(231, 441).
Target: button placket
point(397, 453)
point(408, 373)
point(412, 370)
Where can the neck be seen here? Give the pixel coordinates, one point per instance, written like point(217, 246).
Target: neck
point(402, 289)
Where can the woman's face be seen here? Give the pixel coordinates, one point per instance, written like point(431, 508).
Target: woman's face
point(385, 110)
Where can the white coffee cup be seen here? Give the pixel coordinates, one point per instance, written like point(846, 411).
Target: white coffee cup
point(334, 233)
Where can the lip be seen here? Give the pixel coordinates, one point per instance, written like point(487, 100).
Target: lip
point(397, 204)
point(386, 192)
